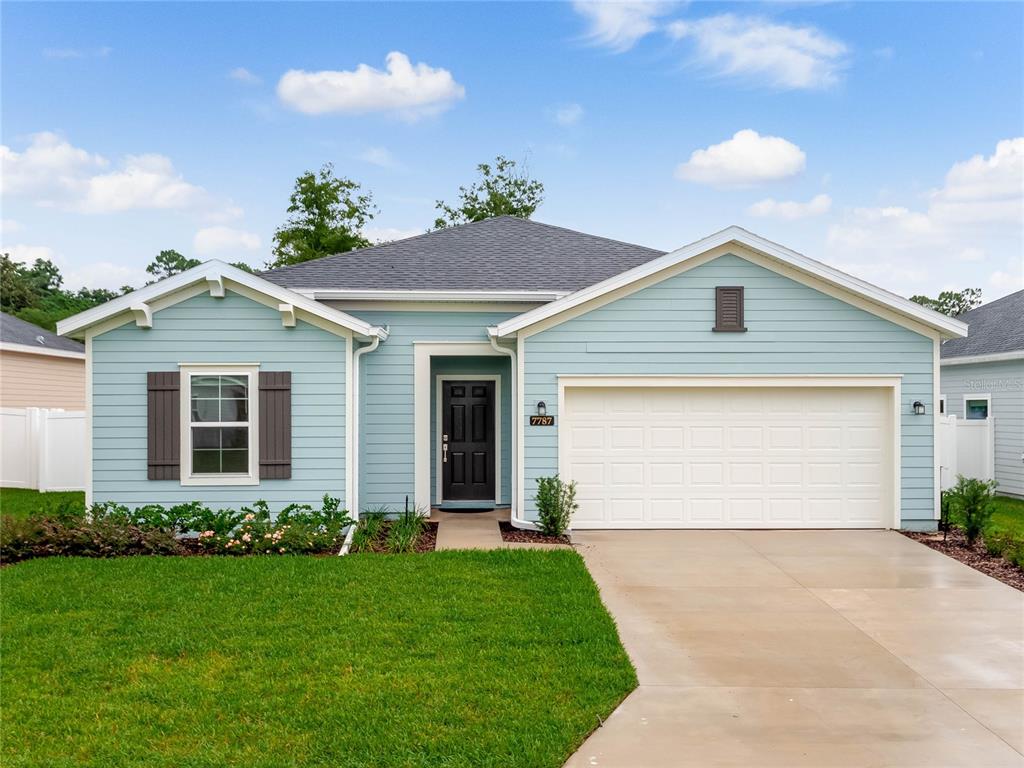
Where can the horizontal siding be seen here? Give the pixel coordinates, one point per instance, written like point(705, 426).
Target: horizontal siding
point(228, 330)
point(792, 329)
point(1004, 381)
point(386, 392)
point(41, 381)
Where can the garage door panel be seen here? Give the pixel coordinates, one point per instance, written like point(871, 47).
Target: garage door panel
point(688, 457)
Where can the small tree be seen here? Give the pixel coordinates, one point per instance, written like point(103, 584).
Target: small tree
point(556, 503)
point(952, 303)
point(971, 504)
point(168, 263)
point(327, 216)
point(501, 191)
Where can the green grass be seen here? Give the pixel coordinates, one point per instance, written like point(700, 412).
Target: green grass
point(1008, 516)
point(502, 658)
point(22, 502)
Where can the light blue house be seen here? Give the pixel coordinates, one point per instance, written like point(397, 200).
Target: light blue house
point(730, 383)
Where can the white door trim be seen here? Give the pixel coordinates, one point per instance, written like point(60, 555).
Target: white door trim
point(892, 382)
point(422, 352)
point(439, 380)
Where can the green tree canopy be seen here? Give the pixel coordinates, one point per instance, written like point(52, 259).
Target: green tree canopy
point(501, 190)
point(33, 293)
point(168, 263)
point(326, 216)
point(952, 303)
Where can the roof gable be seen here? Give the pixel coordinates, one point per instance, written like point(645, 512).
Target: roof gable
point(997, 328)
point(774, 256)
point(504, 253)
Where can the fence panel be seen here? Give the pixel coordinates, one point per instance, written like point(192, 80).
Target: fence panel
point(42, 448)
point(966, 447)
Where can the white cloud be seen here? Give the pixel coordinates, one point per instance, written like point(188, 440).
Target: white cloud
point(211, 241)
point(969, 228)
point(26, 254)
point(791, 210)
point(745, 159)
point(568, 114)
point(378, 235)
point(243, 75)
point(104, 274)
point(782, 55)
point(406, 90)
point(53, 173)
point(379, 156)
point(619, 25)
point(77, 53)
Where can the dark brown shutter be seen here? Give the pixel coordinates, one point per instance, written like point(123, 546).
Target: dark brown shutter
point(729, 308)
point(163, 414)
point(275, 425)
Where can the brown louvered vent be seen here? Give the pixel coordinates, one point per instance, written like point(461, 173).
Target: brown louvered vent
point(729, 308)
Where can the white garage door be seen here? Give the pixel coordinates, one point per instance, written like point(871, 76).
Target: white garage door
point(740, 457)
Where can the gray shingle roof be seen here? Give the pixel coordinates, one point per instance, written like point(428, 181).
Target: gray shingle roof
point(16, 331)
point(504, 253)
point(992, 328)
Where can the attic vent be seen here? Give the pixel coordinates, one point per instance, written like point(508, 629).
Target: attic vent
point(40, 340)
point(729, 308)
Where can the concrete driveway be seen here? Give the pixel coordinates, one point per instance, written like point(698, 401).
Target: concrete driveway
point(807, 648)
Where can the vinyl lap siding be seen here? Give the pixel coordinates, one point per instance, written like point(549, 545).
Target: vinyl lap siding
point(41, 381)
point(793, 329)
point(386, 392)
point(229, 330)
point(1005, 383)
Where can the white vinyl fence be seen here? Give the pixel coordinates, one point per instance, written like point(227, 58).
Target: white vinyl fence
point(966, 447)
point(42, 448)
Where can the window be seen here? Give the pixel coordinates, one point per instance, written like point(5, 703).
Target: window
point(729, 308)
point(977, 406)
point(219, 425)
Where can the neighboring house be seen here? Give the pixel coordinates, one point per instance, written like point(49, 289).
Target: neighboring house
point(38, 368)
point(983, 377)
point(730, 383)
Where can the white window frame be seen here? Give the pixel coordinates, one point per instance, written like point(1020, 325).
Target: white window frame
point(251, 371)
point(943, 410)
point(987, 397)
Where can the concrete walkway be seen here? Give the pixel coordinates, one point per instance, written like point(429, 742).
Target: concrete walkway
point(469, 530)
point(809, 648)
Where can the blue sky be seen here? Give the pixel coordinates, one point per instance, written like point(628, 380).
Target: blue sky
point(885, 139)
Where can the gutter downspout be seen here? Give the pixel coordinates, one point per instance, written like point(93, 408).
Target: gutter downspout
point(514, 394)
point(374, 343)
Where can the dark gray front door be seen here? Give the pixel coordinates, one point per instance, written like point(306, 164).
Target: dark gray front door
point(467, 441)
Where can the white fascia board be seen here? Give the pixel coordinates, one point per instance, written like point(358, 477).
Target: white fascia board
point(944, 324)
point(28, 349)
point(995, 357)
point(213, 272)
point(341, 294)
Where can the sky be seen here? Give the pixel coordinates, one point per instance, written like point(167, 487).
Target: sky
point(884, 139)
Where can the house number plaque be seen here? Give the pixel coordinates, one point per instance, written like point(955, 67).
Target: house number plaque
point(542, 421)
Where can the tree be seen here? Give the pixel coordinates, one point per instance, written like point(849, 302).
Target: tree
point(502, 190)
point(168, 263)
point(952, 303)
point(326, 216)
point(34, 294)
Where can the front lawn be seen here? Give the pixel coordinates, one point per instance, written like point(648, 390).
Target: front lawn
point(1008, 516)
point(504, 658)
point(22, 502)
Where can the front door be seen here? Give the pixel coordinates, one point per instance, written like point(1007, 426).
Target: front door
point(467, 441)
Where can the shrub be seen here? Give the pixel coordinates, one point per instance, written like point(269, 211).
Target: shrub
point(370, 529)
point(971, 505)
point(556, 503)
point(21, 539)
point(404, 533)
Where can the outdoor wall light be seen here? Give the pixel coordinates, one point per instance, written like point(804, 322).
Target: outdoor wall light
point(918, 408)
point(542, 408)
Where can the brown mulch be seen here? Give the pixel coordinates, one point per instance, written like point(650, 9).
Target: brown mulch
point(976, 557)
point(523, 536)
point(426, 543)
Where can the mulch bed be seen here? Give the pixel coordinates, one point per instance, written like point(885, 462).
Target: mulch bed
point(976, 557)
point(427, 541)
point(523, 536)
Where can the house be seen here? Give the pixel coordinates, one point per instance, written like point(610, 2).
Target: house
point(38, 368)
point(982, 376)
point(728, 383)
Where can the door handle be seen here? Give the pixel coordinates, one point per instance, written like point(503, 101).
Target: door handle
point(444, 453)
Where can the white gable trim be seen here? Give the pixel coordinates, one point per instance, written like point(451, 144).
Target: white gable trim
point(995, 357)
point(211, 276)
point(777, 257)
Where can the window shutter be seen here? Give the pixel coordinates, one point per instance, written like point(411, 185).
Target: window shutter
point(729, 308)
point(275, 417)
point(163, 412)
